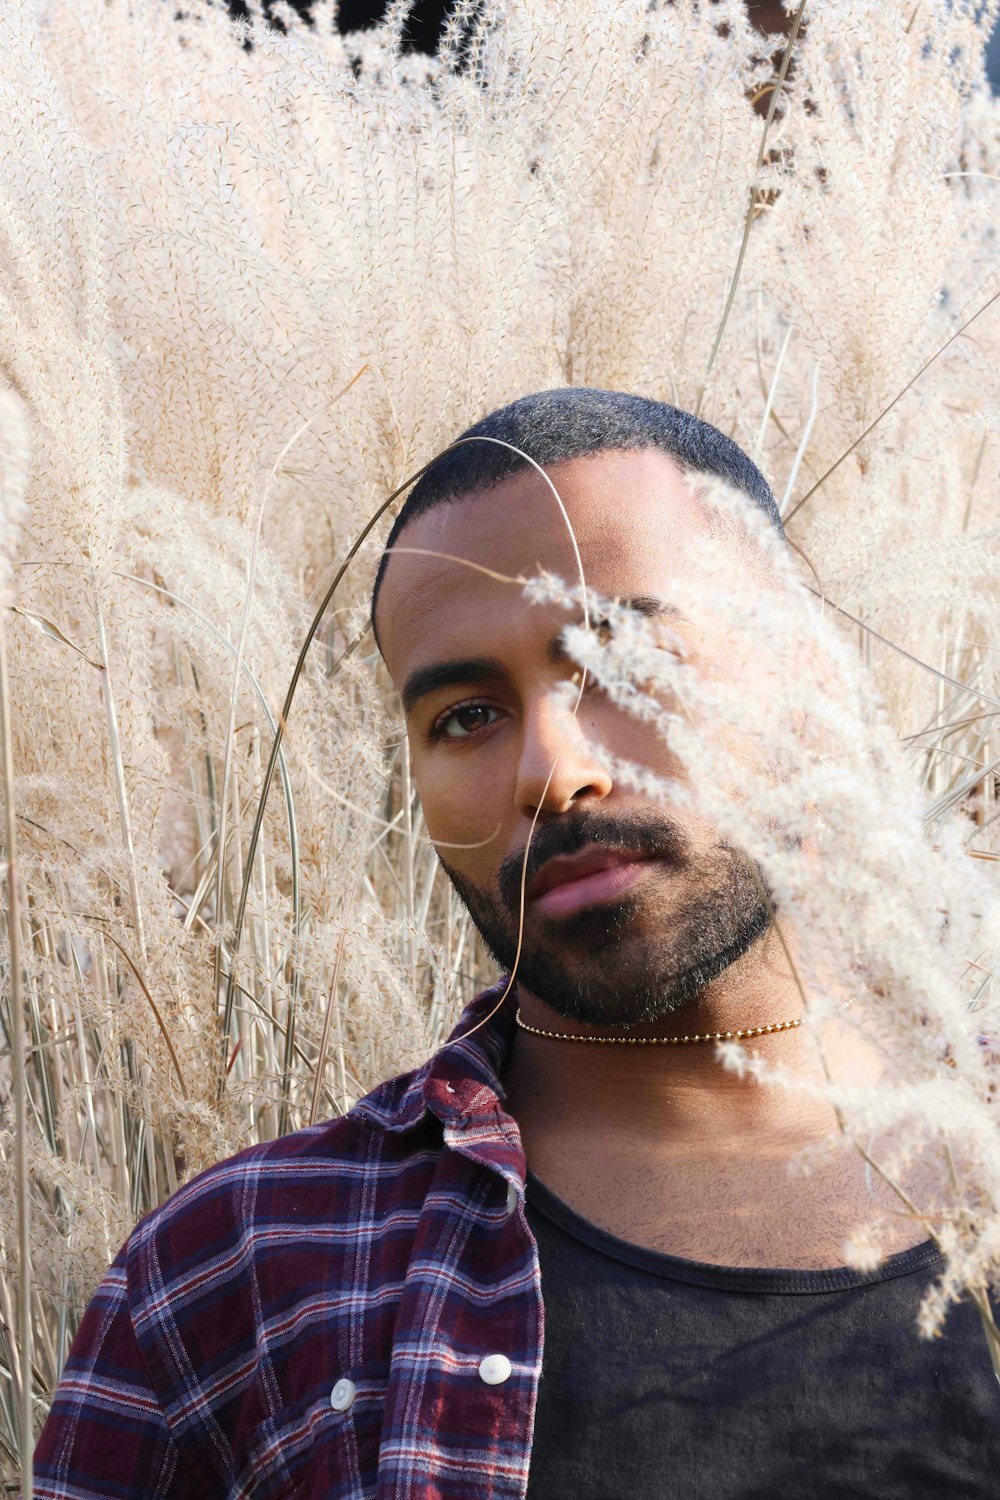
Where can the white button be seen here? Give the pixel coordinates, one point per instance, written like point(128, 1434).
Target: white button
point(511, 1197)
point(494, 1369)
point(342, 1395)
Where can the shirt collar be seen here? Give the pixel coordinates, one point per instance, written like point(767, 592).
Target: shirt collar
point(459, 1081)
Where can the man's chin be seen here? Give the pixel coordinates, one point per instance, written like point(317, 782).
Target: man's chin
point(611, 1011)
point(578, 935)
point(617, 978)
point(601, 992)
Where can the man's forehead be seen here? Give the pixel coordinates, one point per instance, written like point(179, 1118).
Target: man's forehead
point(629, 512)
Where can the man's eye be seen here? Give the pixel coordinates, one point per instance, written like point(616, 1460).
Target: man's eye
point(461, 722)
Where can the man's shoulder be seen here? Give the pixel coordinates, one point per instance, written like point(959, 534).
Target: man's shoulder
point(261, 1238)
point(294, 1183)
point(314, 1151)
point(306, 1194)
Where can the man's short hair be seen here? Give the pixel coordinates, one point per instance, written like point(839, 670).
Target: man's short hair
point(575, 422)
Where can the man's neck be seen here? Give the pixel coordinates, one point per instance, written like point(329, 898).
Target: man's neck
point(665, 1094)
point(664, 1146)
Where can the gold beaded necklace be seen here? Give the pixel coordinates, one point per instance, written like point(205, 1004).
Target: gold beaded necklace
point(659, 1041)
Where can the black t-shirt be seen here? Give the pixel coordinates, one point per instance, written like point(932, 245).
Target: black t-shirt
point(664, 1377)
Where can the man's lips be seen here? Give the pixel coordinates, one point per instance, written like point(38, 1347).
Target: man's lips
point(569, 883)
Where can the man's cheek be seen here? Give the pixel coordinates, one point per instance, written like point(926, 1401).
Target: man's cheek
point(461, 828)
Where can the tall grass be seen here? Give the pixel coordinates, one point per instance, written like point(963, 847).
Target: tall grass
point(246, 293)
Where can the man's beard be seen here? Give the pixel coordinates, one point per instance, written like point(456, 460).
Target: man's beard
point(640, 956)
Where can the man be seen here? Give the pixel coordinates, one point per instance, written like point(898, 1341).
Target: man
point(565, 1257)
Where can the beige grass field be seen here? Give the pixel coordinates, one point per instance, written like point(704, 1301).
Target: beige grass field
point(246, 293)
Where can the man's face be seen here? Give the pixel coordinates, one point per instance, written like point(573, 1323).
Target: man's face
point(629, 909)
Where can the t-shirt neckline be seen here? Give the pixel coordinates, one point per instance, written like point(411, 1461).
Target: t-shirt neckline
point(721, 1278)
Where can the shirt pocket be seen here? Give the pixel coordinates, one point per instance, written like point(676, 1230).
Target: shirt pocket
point(315, 1452)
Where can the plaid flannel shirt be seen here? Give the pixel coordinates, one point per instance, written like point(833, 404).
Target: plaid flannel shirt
point(352, 1310)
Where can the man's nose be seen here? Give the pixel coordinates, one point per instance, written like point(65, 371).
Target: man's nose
point(559, 764)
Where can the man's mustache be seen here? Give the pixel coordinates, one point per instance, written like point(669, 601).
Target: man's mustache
point(650, 835)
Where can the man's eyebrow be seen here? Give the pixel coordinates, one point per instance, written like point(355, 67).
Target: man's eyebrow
point(462, 671)
point(643, 604)
point(441, 674)
point(654, 608)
